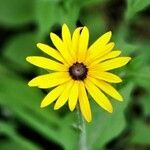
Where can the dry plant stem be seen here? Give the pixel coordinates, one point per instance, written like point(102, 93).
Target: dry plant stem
point(82, 130)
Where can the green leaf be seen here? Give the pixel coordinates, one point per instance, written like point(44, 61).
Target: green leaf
point(135, 6)
point(142, 76)
point(8, 130)
point(119, 37)
point(97, 28)
point(51, 13)
point(18, 48)
point(84, 3)
point(141, 133)
point(5, 145)
point(46, 15)
point(16, 12)
point(140, 70)
point(24, 104)
point(105, 126)
point(144, 101)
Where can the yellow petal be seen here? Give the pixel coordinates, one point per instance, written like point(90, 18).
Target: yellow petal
point(84, 103)
point(98, 96)
point(113, 63)
point(75, 43)
point(73, 96)
point(46, 63)
point(53, 95)
point(107, 88)
point(62, 47)
point(57, 42)
point(66, 36)
point(83, 44)
point(100, 42)
point(64, 96)
point(106, 76)
point(50, 51)
point(50, 80)
point(98, 53)
point(110, 55)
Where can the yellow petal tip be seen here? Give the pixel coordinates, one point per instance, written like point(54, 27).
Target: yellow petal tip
point(52, 34)
point(112, 44)
point(71, 109)
point(42, 105)
point(38, 45)
point(30, 84)
point(120, 81)
point(28, 58)
point(120, 98)
point(85, 27)
point(110, 110)
point(64, 25)
point(88, 119)
point(129, 58)
point(110, 33)
point(56, 107)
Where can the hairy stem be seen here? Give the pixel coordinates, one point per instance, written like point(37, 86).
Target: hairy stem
point(82, 131)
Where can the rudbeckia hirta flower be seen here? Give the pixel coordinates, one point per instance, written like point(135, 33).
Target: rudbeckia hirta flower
point(76, 69)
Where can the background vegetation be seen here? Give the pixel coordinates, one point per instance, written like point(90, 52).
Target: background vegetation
point(23, 125)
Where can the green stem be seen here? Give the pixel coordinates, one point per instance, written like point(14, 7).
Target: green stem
point(82, 130)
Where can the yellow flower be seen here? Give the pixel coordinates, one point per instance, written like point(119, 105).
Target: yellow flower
point(78, 70)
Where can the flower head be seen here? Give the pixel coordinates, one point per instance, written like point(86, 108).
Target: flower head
point(78, 69)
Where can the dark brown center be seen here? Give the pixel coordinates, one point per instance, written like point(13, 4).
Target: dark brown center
point(78, 71)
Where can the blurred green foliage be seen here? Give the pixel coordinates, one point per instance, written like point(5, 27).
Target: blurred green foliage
point(20, 104)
